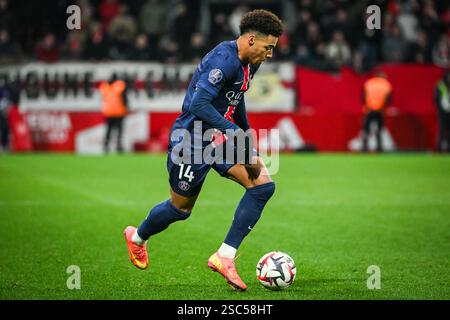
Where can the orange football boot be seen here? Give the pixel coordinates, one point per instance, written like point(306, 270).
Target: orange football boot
point(137, 253)
point(226, 267)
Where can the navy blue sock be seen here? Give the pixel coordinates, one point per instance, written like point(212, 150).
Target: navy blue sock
point(159, 218)
point(248, 213)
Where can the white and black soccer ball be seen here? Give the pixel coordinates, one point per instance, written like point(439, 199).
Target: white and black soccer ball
point(276, 270)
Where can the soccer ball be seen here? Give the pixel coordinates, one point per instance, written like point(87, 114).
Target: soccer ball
point(276, 270)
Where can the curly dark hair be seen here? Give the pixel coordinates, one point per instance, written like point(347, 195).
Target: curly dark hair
point(262, 21)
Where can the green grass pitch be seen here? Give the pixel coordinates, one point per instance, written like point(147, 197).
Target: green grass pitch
point(335, 214)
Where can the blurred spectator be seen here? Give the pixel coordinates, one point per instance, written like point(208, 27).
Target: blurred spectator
point(339, 21)
point(97, 43)
point(122, 30)
point(445, 16)
point(123, 24)
point(441, 51)
point(5, 103)
point(394, 47)
point(183, 25)
point(342, 22)
point(316, 47)
point(377, 94)
point(220, 29)
point(47, 50)
point(152, 19)
point(338, 52)
point(169, 50)
point(87, 13)
point(370, 39)
point(358, 62)
point(304, 18)
point(301, 55)
point(74, 46)
point(430, 20)
point(142, 51)
point(235, 17)
point(407, 21)
point(120, 47)
point(421, 50)
point(108, 9)
point(6, 17)
point(442, 101)
point(412, 31)
point(197, 48)
point(283, 48)
point(9, 51)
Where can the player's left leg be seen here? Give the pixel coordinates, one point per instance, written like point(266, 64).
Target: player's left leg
point(109, 126)
point(185, 181)
point(380, 125)
point(365, 132)
point(119, 134)
point(259, 189)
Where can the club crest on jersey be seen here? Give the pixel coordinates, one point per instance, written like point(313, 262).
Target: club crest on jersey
point(183, 185)
point(215, 75)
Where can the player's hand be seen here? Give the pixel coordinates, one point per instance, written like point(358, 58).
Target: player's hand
point(218, 138)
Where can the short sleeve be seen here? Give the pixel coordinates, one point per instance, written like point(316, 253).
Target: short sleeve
point(216, 72)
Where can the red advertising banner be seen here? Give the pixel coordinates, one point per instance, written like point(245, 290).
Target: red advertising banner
point(322, 93)
point(328, 118)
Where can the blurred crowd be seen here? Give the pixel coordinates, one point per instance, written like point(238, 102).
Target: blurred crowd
point(322, 34)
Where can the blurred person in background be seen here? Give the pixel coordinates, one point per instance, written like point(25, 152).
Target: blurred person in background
point(97, 43)
point(442, 101)
point(74, 46)
point(220, 28)
point(48, 50)
point(394, 46)
point(107, 10)
point(152, 19)
point(283, 51)
point(122, 30)
point(5, 103)
point(9, 51)
point(421, 49)
point(197, 49)
point(441, 50)
point(235, 17)
point(143, 51)
point(114, 109)
point(377, 95)
point(338, 52)
point(169, 50)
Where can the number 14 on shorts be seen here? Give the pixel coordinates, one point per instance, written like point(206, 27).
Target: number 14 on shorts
point(187, 174)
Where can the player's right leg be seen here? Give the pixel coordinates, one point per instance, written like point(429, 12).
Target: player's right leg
point(160, 217)
point(107, 135)
point(365, 133)
point(185, 182)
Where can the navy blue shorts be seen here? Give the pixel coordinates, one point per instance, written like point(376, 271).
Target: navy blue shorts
point(187, 179)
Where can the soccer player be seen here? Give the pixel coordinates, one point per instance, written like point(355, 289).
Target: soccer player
point(216, 98)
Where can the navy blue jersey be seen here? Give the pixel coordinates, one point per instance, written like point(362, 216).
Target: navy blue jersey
point(221, 74)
